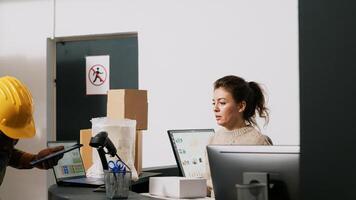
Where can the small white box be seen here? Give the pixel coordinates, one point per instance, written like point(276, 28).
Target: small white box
point(178, 187)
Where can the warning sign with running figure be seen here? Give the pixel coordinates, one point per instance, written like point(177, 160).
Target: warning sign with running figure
point(97, 74)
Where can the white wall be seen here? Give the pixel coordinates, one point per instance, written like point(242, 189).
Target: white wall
point(24, 25)
point(184, 46)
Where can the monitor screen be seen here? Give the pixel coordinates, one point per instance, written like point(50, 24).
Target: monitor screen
point(228, 163)
point(71, 165)
point(189, 147)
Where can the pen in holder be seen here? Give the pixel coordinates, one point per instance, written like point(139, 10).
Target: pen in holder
point(117, 180)
point(117, 175)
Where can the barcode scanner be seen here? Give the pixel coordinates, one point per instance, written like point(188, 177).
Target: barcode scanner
point(101, 141)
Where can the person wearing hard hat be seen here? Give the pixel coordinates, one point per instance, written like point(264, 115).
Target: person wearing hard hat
point(16, 122)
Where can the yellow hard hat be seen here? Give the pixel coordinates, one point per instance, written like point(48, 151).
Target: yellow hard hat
point(16, 109)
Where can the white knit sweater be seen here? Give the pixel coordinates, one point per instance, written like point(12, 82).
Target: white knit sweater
point(245, 136)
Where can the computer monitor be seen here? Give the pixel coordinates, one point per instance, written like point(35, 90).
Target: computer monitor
point(229, 162)
point(189, 148)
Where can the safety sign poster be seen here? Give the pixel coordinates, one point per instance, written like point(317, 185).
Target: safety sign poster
point(97, 74)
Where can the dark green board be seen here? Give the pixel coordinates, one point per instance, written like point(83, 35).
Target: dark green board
point(74, 108)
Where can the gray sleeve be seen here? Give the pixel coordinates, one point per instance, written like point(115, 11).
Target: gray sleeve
point(20, 159)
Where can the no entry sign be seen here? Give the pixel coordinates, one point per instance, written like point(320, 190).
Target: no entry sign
point(97, 74)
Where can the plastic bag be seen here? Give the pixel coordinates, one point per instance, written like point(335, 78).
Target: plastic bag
point(122, 133)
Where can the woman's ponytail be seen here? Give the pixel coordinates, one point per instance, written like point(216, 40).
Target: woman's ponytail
point(258, 101)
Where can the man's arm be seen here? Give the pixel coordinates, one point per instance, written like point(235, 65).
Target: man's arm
point(21, 160)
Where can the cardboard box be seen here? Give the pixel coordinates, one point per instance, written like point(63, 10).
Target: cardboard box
point(130, 104)
point(178, 187)
point(138, 152)
point(86, 150)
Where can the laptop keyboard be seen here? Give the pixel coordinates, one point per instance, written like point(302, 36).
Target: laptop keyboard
point(85, 180)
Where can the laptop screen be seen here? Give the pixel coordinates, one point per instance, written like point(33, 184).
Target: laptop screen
point(189, 147)
point(71, 165)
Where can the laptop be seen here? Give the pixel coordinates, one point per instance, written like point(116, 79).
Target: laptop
point(189, 148)
point(70, 169)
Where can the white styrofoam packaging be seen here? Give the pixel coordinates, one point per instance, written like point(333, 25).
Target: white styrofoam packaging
point(178, 187)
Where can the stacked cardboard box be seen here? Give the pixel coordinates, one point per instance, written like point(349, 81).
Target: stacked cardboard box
point(122, 104)
point(86, 150)
point(130, 104)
